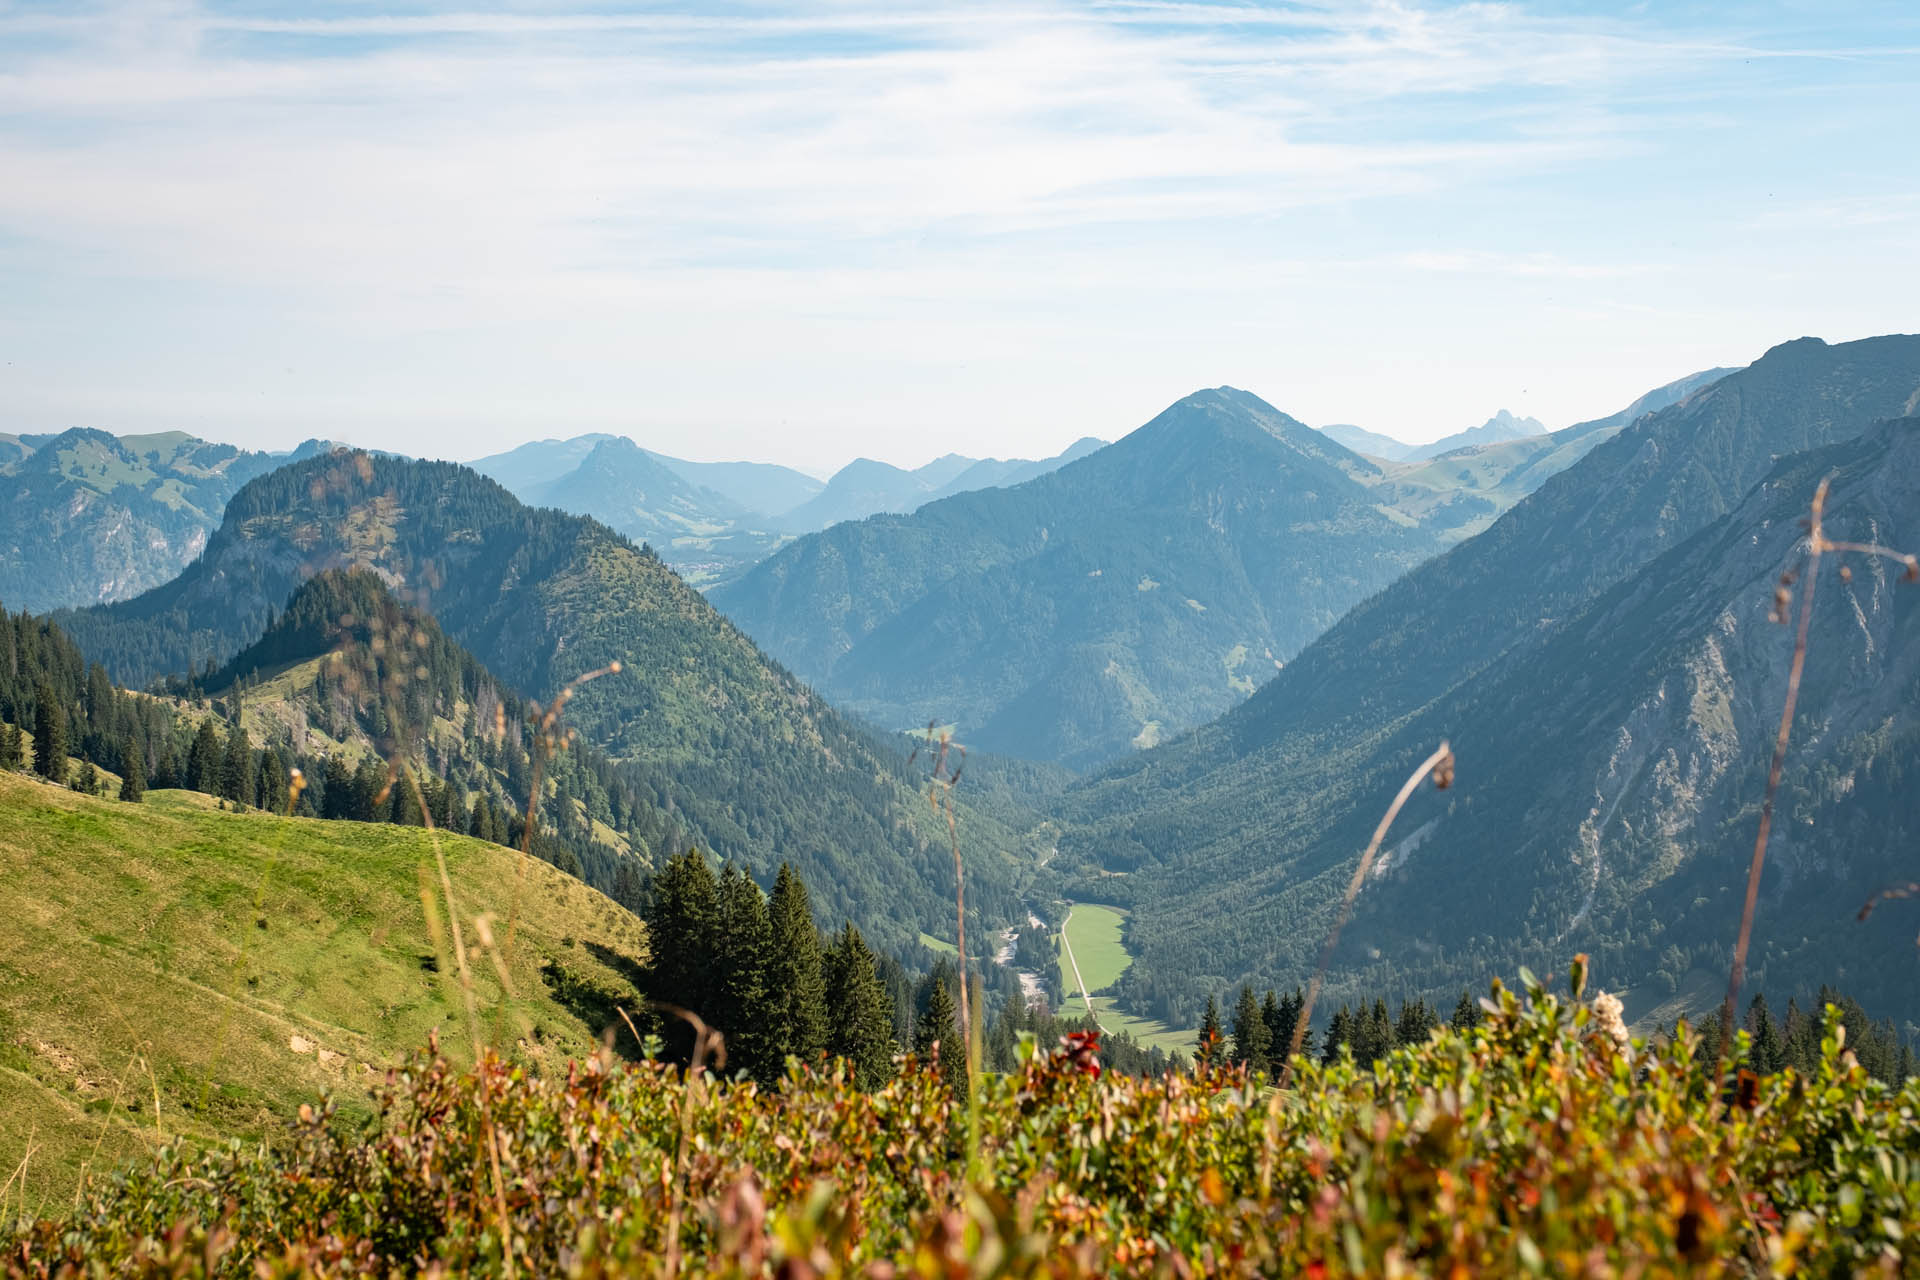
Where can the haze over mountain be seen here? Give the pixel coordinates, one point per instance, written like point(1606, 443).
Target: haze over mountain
point(747, 760)
point(1371, 443)
point(87, 517)
point(1601, 662)
point(1501, 426)
point(713, 520)
point(1142, 588)
point(865, 487)
point(1478, 482)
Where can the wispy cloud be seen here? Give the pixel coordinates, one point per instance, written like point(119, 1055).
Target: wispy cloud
point(434, 167)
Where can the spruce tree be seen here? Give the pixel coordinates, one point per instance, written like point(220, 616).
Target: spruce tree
point(1250, 1045)
point(203, 759)
point(237, 768)
point(133, 771)
point(1283, 1019)
point(1340, 1032)
point(1212, 1042)
point(859, 1011)
point(1466, 1014)
point(86, 779)
point(12, 749)
point(742, 1006)
point(936, 1032)
point(795, 983)
point(49, 735)
point(1414, 1022)
point(1769, 1050)
point(336, 789)
point(681, 923)
point(272, 788)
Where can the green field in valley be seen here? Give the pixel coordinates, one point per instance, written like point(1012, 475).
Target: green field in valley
point(1097, 936)
point(169, 970)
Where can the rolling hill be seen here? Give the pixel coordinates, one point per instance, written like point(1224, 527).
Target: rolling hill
point(173, 972)
point(1600, 660)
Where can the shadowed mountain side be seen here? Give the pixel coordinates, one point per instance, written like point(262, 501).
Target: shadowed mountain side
point(1143, 588)
point(1268, 805)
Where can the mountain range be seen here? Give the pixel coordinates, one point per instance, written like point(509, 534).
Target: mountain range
point(1601, 662)
point(87, 517)
point(1129, 595)
point(713, 520)
point(1501, 426)
point(746, 761)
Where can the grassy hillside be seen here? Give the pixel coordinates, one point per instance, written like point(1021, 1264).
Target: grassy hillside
point(171, 970)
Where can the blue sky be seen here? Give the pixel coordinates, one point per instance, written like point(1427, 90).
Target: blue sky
point(806, 233)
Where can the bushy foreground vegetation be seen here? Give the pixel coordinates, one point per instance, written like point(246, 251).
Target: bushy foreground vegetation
point(1542, 1140)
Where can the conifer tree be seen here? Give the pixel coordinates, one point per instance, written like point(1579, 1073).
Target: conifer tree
point(133, 771)
point(86, 779)
point(936, 1032)
point(1466, 1014)
point(1212, 1037)
point(237, 768)
point(1283, 1019)
point(49, 735)
point(1250, 1044)
point(1340, 1031)
point(1372, 1034)
point(1414, 1022)
point(1769, 1050)
point(272, 788)
point(860, 1013)
point(795, 984)
point(12, 750)
point(203, 759)
point(336, 789)
point(680, 936)
point(742, 1006)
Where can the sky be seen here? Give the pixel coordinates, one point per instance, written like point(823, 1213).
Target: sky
point(804, 233)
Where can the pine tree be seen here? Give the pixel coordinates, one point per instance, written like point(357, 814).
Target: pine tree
point(936, 1032)
point(12, 749)
point(237, 768)
point(1466, 1014)
point(1212, 1038)
point(49, 735)
point(795, 984)
point(133, 771)
point(203, 759)
point(742, 1007)
point(681, 923)
point(860, 1013)
point(86, 779)
point(1250, 1045)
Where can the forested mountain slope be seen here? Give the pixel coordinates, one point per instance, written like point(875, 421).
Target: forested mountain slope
point(1549, 649)
point(752, 761)
point(87, 517)
point(1143, 588)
